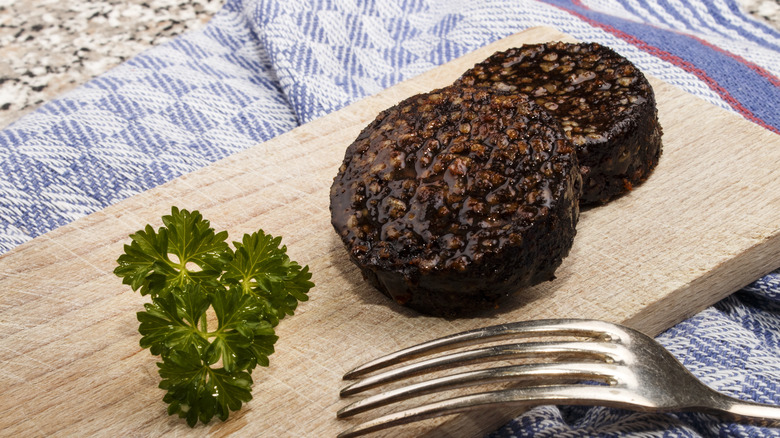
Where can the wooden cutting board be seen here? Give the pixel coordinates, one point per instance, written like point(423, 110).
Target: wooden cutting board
point(705, 224)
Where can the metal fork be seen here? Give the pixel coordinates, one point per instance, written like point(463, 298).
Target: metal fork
point(603, 365)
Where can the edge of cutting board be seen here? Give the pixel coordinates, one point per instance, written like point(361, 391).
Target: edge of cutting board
point(696, 231)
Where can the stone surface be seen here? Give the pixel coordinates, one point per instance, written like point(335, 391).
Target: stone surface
point(49, 47)
point(767, 10)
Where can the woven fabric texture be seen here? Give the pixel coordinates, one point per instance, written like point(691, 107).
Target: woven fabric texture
point(262, 67)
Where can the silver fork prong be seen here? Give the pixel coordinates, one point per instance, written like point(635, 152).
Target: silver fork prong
point(563, 327)
point(538, 374)
point(578, 350)
point(526, 397)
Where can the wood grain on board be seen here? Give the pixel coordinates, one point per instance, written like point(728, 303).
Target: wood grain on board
point(703, 225)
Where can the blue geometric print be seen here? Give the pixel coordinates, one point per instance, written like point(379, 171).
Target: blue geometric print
point(263, 67)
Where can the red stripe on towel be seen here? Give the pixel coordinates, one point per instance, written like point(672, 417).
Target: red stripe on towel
point(674, 59)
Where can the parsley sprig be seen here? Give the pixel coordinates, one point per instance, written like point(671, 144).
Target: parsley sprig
point(190, 272)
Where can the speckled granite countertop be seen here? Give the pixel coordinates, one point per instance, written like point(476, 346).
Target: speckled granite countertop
point(50, 46)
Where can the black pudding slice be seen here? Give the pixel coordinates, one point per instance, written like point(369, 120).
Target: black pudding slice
point(453, 199)
point(605, 104)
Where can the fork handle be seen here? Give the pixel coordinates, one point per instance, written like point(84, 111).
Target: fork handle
point(756, 413)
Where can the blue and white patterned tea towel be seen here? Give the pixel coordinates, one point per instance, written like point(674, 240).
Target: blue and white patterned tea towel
point(262, 67)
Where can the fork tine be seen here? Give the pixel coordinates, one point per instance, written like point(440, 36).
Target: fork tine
point(527, 397)
point(560, 327)
point(578, 350)
point(539, 374)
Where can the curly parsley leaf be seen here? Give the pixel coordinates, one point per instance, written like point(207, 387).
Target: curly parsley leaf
point(186, 250)
point(262, 267)
point(172, 321)
point(196, 391)
point(137, 266)
point(242, 339)
point(195, 280)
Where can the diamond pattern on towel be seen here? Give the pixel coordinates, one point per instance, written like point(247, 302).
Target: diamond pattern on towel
point(261, 67)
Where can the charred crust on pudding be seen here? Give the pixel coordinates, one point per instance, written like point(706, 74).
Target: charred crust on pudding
point(604, 103)
point(453, 199)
